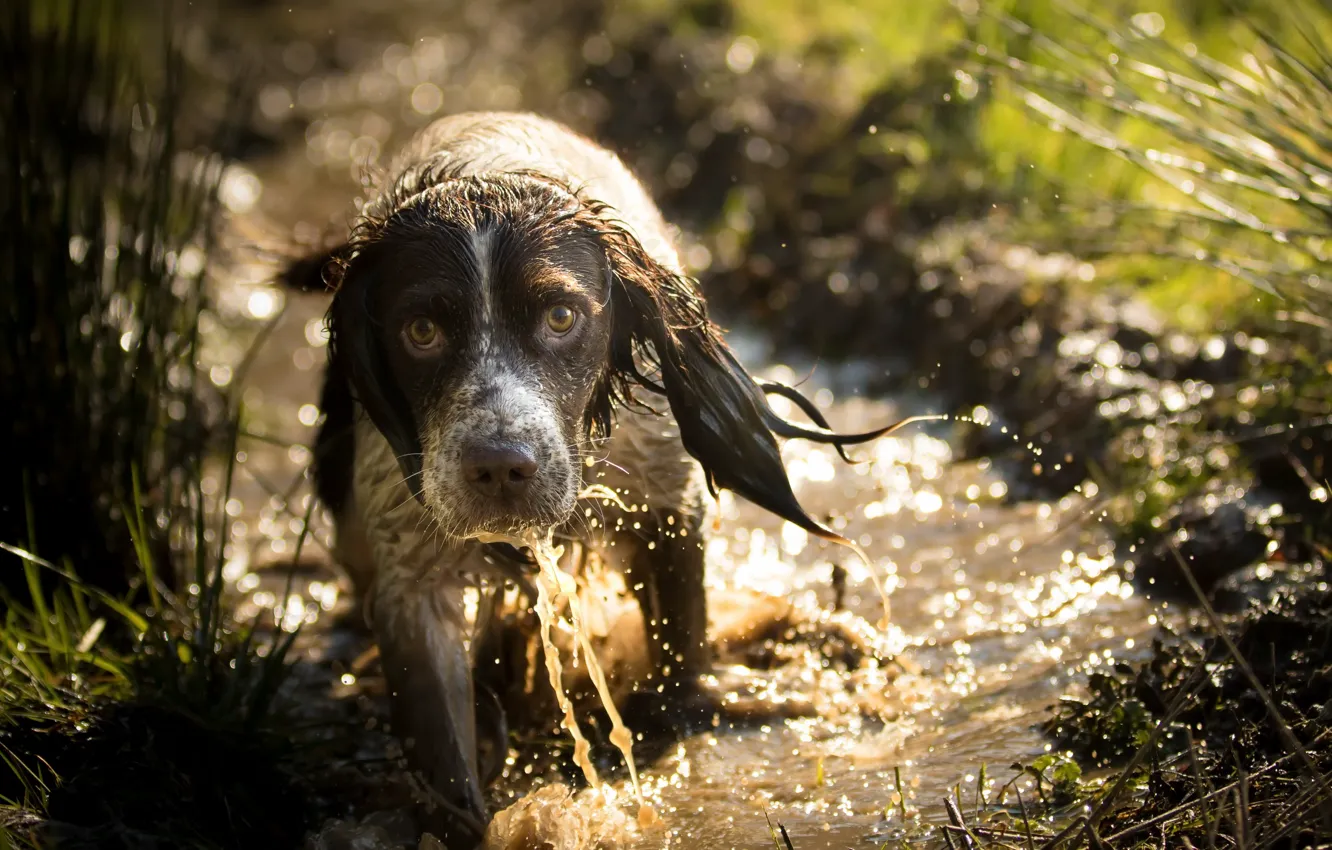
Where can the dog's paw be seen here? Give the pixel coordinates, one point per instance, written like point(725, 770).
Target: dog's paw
point(674, 709)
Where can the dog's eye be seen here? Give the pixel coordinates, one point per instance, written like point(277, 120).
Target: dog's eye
point(423, 333)
point(560, 319)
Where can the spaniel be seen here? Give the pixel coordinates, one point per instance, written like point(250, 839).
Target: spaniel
point(509, 315)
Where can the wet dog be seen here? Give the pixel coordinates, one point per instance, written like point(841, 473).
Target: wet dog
point(508, 308)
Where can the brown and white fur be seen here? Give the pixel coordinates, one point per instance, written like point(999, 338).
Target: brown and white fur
point(509, 309)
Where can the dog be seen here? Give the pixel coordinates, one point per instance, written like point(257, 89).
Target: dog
point(509, 313)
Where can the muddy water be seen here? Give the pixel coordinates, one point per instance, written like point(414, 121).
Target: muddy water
point(998, 607)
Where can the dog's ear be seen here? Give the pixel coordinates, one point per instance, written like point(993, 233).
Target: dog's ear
point(663, 341)
point(356, 354)
point(315, 271)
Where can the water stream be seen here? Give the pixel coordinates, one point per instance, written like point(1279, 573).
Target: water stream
point(997, 607)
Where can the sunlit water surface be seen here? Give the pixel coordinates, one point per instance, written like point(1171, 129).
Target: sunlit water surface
point(999, 607)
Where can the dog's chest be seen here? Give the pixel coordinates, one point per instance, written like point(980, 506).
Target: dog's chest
point(398, 535)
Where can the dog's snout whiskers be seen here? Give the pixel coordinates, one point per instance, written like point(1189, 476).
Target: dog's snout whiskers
point(411, 497)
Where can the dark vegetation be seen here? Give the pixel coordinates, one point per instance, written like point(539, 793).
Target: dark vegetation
point(1142, 291)
point(1225, 761)
point(93, 328)
point(132, 713)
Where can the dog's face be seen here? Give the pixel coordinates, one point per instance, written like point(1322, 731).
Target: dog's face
point(492, 318)
point(489, 324)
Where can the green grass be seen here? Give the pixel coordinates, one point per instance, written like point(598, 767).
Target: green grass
point(131, 708)
point(106, 203)
point(1196, 169)
point(166, 682)
point(1219, 216)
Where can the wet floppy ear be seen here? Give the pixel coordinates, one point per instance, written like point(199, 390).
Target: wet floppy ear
point(664, 341)
point(316, 271)
point(356, 350)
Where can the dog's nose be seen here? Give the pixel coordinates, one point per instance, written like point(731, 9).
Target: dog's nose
point(498, 468)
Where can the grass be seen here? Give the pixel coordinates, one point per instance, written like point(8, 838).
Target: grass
point(108, 704)
point(1234, 146)
point(106, 208)
point(132, 711)
point(1231, 231)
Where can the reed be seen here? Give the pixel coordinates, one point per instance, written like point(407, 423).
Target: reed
point(132, 710)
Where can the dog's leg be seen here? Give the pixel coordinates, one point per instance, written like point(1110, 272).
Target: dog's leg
point(421, 629)
point(416, 613)
point(666, 572)
point(664, 566)
point(655, 533)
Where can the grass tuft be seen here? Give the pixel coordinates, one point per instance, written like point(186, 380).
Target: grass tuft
point(1221, 219)
point(132, 711)
point(1239, 147)
point(106, 204)
point(108, 709)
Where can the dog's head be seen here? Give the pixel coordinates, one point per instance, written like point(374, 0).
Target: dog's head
point(490, 325)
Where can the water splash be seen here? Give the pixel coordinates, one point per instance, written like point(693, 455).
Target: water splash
point(555, 585)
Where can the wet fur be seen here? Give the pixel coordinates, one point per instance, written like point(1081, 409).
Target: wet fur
point(536, 193)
